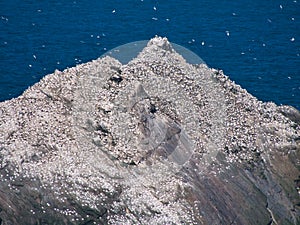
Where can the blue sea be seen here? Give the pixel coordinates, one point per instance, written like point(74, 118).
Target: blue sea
point(256, 43)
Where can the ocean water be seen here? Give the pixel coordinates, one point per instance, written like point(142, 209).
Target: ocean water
point(256, 43)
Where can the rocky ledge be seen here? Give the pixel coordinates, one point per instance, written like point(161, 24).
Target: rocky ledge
point(155, 141)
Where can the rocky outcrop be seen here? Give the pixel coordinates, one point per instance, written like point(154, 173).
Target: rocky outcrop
point(155, 141)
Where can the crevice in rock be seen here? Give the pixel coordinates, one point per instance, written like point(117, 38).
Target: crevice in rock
point(116, 78)
point(273, 220)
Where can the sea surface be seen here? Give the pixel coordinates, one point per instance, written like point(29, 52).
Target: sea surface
point(256, 43)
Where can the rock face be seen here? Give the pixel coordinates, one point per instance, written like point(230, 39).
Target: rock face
point(155, 141)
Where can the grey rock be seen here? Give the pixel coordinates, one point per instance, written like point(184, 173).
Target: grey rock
point(155, 141)
point(290, 112)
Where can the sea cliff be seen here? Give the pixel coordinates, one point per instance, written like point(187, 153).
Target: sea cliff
point(155, 141)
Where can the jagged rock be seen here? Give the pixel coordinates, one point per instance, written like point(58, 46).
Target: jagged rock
point(155, 141)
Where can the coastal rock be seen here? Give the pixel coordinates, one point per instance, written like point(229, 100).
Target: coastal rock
point(155, 141)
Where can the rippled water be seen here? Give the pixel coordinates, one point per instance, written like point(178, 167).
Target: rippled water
point(256, 43)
